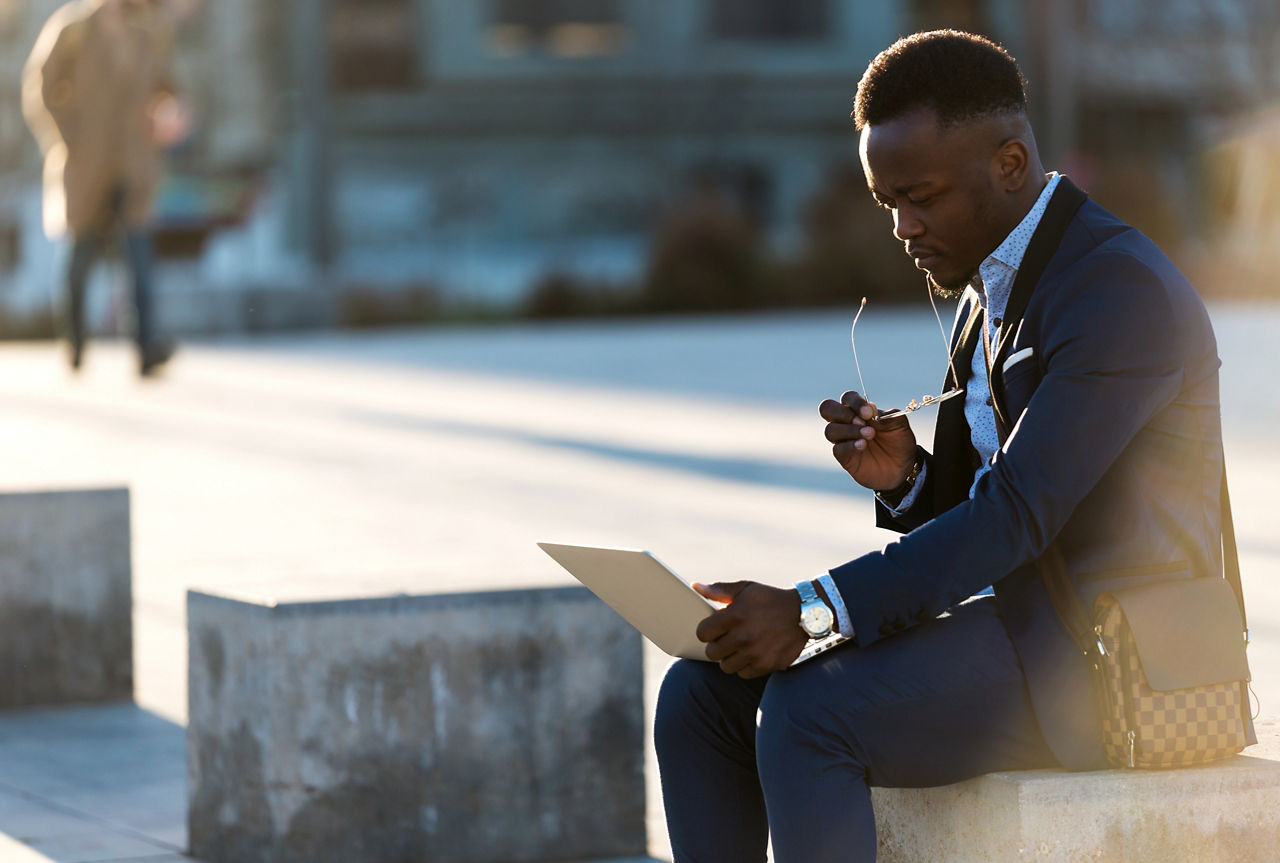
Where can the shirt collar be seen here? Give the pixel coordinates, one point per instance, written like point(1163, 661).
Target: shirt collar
point(998, 269)
point(1014, 247)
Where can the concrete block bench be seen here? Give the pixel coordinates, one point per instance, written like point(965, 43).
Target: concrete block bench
point(474, 728)
point(66, 606)
point(1225, 813)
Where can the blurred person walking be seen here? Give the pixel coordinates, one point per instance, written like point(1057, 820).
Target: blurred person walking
point(99, 95)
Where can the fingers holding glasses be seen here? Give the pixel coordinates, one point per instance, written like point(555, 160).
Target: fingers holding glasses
point(864, 411)
point(850, 408)
point(853, 408)
point(834, 412)
point(854, 422)
point(850, 419)
point(868, 445)
point(848, 432)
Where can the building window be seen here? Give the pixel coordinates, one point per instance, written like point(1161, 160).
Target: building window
point(768, 20)
point(373, 45)
point(570, 29)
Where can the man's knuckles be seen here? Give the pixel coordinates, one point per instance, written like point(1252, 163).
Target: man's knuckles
point(712, 627)
point(834, 411)
point(845, 451)
point(837, 432)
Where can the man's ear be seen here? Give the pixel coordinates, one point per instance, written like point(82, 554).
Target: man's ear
point(1011, 164)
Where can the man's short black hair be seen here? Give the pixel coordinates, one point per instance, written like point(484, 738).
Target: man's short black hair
point(959, 75)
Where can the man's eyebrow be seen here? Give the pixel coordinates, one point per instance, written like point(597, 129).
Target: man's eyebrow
point(901, 190)
point(913, 187)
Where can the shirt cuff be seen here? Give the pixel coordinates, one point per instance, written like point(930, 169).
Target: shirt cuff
point(905, 503)
point(843, 624)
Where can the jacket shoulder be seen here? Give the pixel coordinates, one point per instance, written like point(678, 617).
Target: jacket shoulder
point(65, 29)
point(1095, 234)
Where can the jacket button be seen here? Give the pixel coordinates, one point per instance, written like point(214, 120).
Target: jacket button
point(990, 401)
point(997, 322)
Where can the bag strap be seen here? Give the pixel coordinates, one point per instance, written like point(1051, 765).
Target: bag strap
point(1057, 581)
point(1230, 555)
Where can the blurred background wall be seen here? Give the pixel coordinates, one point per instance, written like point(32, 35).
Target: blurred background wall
point(377, 161)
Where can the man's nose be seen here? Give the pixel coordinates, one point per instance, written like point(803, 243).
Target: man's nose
point(905, 225)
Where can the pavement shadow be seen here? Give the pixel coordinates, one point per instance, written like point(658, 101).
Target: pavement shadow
point(782, 358)
point(767, 472)
point(92, 783)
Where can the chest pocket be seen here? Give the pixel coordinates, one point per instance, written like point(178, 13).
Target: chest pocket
point(1019, 381)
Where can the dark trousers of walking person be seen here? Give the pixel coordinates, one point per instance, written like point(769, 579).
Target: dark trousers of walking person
point(793, 756)
point(86, 249)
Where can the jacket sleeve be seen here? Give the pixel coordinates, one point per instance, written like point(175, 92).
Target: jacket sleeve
point(48, 99)
point(1113, 359)
point(163, 38)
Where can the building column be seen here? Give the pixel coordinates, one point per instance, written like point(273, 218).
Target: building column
point(1052, 39)
point(311, 135)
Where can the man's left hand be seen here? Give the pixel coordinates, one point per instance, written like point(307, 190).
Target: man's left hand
point(757, 633)
point(170, 121)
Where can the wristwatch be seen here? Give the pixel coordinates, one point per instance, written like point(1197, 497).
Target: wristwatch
point(815, 617)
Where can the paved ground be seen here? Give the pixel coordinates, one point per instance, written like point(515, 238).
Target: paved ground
point(333, 465)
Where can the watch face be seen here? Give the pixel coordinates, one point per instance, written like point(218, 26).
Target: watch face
point(816, 619)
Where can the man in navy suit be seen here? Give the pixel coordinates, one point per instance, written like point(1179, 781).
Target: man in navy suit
point(1089, 419)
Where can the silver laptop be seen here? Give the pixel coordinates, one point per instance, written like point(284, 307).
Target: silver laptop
point(652, 598)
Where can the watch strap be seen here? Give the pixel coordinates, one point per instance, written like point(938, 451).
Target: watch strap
point(894, 496)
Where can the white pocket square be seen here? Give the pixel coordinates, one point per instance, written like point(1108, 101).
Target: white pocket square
point(1016, 358)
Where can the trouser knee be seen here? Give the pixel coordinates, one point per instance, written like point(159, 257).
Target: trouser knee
point(777, 733)
point(798, 725)
point(698, 701)
point(677, 704)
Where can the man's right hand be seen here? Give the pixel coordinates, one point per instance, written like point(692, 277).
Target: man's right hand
point(877, 453)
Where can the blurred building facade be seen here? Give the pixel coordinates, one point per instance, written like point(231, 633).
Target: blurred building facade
point(470, 147)
point(481, 145)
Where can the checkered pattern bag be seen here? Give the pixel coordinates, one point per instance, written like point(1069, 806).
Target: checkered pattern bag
point(1168, 659)
point(1148, 727)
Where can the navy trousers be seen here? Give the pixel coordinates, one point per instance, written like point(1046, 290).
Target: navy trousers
point(88, 246)
point(793, 756)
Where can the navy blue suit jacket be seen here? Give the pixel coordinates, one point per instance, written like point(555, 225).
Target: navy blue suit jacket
point(1113, 449)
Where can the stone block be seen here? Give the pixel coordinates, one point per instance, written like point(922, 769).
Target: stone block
point(474, 728)
point(66, 607)
point(1227, 812)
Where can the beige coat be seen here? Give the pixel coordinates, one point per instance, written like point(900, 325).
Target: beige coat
point(88, 91)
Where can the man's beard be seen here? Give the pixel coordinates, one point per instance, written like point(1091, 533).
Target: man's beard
point(945, 292)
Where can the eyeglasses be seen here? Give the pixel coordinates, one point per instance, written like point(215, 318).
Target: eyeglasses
point(913, 405)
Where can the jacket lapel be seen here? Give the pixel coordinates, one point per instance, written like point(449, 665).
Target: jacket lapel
point(955, 460)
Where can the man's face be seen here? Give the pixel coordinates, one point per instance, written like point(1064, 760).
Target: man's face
point(940, 186)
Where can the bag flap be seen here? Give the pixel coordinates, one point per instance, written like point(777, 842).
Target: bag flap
point(1188, 632)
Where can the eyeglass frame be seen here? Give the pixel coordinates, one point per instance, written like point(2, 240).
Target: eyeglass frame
point(925, 401)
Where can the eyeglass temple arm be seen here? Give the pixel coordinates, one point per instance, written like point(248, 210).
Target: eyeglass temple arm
point(854, 342)
point(946, 342)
